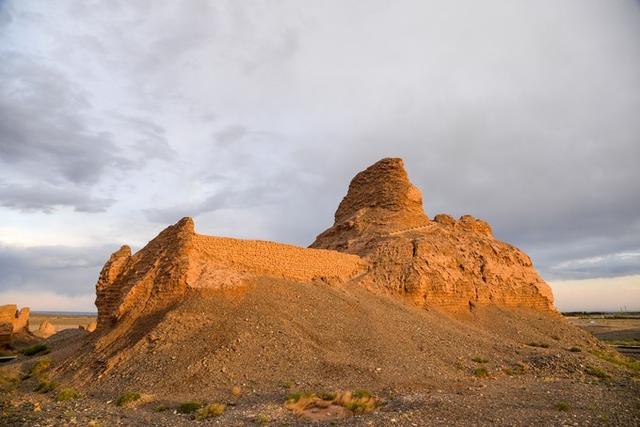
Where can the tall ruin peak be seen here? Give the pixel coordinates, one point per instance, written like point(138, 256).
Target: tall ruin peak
point(382, 192)
point(380, 200)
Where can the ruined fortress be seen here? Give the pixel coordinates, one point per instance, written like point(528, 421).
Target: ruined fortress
point(381, 239)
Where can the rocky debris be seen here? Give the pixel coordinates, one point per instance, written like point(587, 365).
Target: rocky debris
point(445, 263)
point(13, 321)
point(45, 330)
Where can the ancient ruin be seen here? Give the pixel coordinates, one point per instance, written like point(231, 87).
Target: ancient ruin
point(12, 321)
point(381, 240)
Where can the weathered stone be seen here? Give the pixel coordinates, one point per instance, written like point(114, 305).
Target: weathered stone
point(45, 330)
point(19, 320)
point(445, 263)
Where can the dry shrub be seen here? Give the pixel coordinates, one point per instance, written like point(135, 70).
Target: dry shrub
point(360, 401)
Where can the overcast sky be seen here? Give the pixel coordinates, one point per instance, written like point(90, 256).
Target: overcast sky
point(118, 118)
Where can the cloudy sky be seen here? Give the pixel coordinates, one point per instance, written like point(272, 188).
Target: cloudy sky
point(118, 118)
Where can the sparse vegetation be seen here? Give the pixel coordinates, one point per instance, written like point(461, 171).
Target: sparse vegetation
point(538, 344)
point(210, 411)
point(516, 369)
point(127, 397)
point(67, 394)
point(360, 401)
point(597, 372)
point(618, 359)
point(563, 407)
point(9, 381)
point(161, 408)
point(45, 386)
point(480, 360)
point(261, 419)
point(189, 407)
point(575, 349)
point(36, 349)
point(481, 372)
point(39, 368)
point(626, 341)
point(236, 391)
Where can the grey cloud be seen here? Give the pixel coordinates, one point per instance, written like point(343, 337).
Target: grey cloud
point(43, 128)
point(46, 198)
point(65, 270)
point(229, 197)
point(533, 128)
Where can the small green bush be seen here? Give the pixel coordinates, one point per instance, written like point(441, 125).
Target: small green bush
point(210, 411)
point(575, 349)
point(480, 360)
point(597, 372)
point(67, 394)
point(261, 419)
point(127, 397)
point(481, 372)
point(36, 349)
point(563, 407)
point(45, 386)
point(39, 368)
point(189, 407)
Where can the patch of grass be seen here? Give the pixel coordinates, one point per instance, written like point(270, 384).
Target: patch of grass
point(210, 411)
point(127, 397)
point(39, 368)
point(329, 396)
point(45, 386)
point(161, 408)
point(516, 369)
point(575, 349)
point(597, 372)
point(36, 349)
point(618, 359)
point(361, 394)
point(188, 407)
point(480, 360)
point(481, 372)
point(563, 407)
point(261, 419)
point(9, 381)
point(538, 344)
point(67, 394)
point(359, 401)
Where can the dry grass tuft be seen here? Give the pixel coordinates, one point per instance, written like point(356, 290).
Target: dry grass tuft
point(359, 401)
point(210, 411)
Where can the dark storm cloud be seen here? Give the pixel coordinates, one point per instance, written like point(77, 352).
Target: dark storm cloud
point(66, 270)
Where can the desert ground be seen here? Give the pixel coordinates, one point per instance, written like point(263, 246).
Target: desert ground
point(61, 320)
point(545, 374)
point(620, 330)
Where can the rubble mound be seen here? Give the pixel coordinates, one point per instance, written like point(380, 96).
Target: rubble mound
point(191, 313)
point(447, 263)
